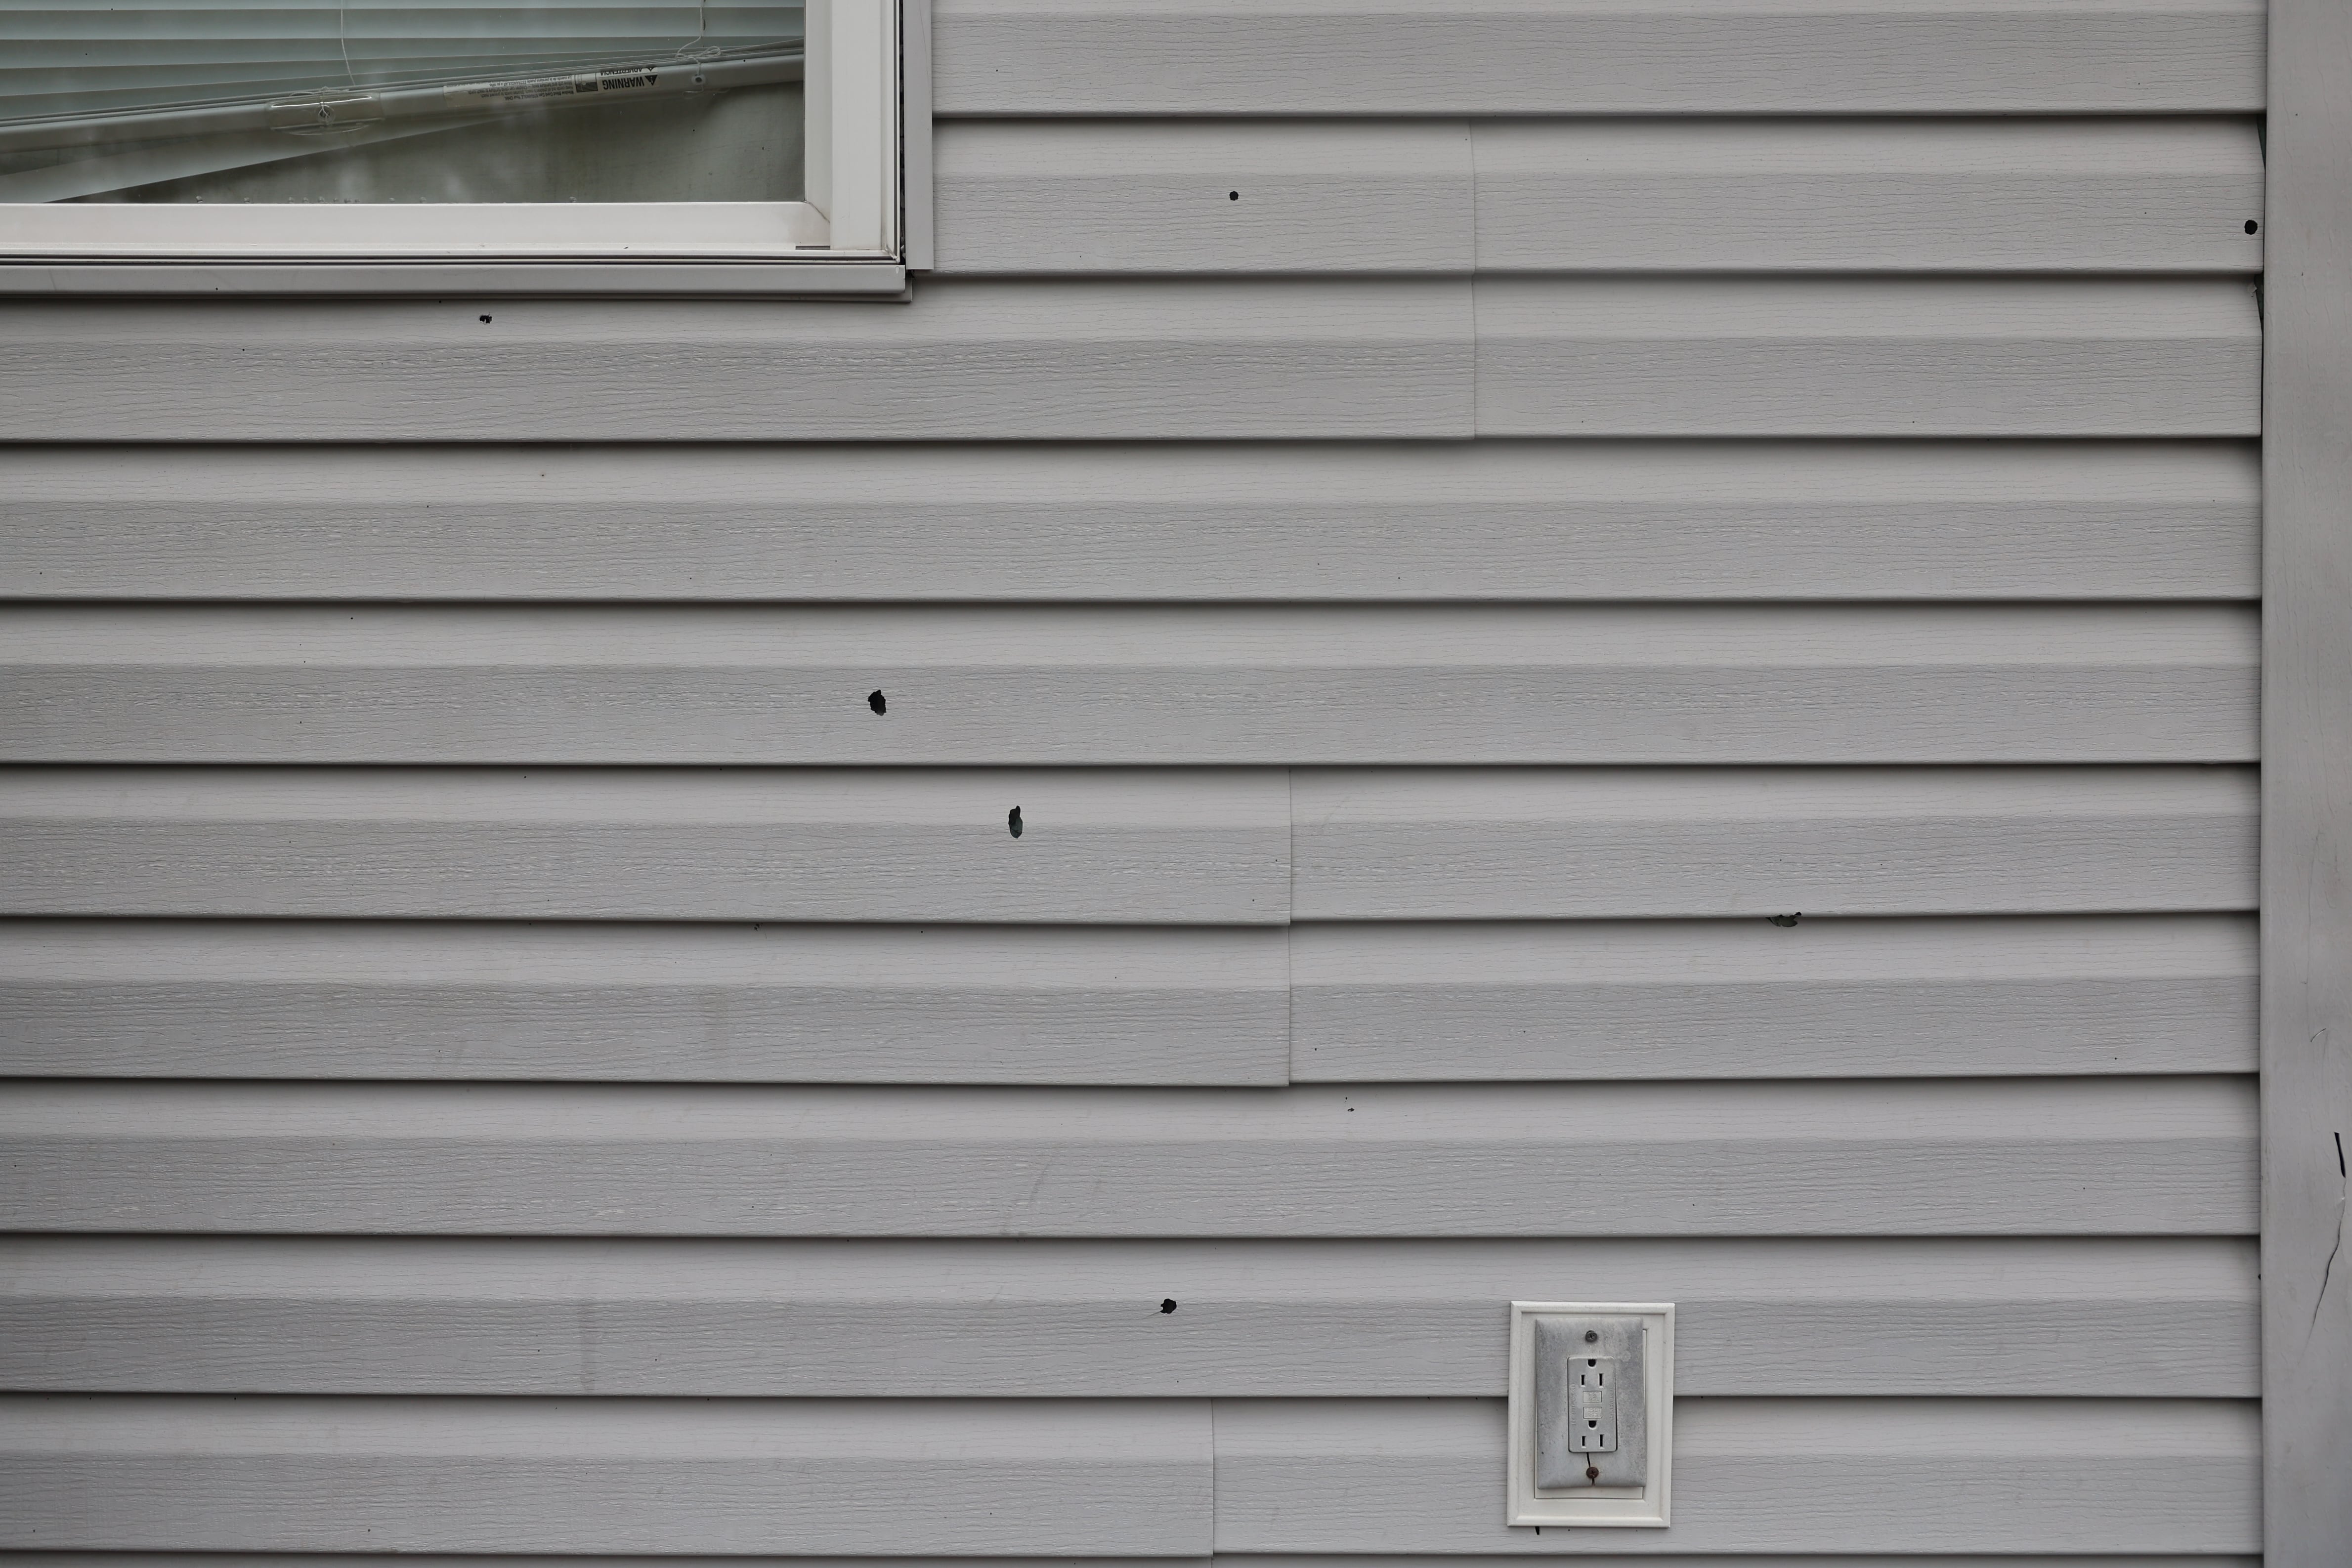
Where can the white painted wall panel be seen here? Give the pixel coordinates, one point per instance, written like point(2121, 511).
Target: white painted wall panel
point(653, 844)
point(1867, 357)
point(2154, 1156)
point(877, 1477)
point(1828, 1476)
point(1164, 359)
point(1593, 57)
point(1895, 196)
point(1825, 999)
point(1049, 1318)
point(872, 1004)
point(1132, 685)
point(714, 1136)
point(1484, 520)
point(1486, 844)
point(1171, 196)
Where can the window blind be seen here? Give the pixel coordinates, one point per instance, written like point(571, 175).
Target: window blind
point(92, 74)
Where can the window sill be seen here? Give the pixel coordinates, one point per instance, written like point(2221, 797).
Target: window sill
point(867, 279)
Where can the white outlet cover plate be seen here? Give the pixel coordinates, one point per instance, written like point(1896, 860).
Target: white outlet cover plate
point(1637, 1508)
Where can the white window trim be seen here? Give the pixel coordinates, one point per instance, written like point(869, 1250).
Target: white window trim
point(848, 239)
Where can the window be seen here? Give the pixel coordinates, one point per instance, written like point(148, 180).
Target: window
point(606, 141)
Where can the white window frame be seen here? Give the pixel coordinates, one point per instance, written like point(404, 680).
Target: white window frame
point(865, 106)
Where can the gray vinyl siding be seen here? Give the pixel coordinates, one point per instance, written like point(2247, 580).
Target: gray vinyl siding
point(1447, 521)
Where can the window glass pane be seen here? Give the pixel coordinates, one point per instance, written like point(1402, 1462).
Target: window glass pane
point(170, 100)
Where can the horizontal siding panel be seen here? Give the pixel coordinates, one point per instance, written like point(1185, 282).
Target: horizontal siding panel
point(970, 359)
point(1033, 1319)
point(1070, 1005)
point(1268, 1560)
point(1480, 844)
point(1110, 196)
point(2156, 1156)
point(601, 1476)
point(1827, 1476)
point(1869, 357)
point(1510, 520)
point(1134, 685)
point(1832, 999)
point(1258, 358)
point(1200, 848)
point(1128, 848)
point(1138, 196)
point(1589, 56)
point(1999, 195)
point(872, 1004)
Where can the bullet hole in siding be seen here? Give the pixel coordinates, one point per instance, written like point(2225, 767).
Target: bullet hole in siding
point(1232, 195)
point(2252, 227)
point(1786, 919)
point(876, 701)
point(1168, 1304)
point(1013, 821)
point(486, 320)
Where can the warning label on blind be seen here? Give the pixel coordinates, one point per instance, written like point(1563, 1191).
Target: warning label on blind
point(526, 89)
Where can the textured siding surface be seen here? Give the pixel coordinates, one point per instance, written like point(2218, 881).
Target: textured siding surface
point(1541, 649)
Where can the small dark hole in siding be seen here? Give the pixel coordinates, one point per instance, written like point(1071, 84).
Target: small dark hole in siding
point(1232, 195)
point(876, 701)
point(1168, 1304)
point(2252, 227)
point(486, 319)
point(1786, 919)
point(1013, 821)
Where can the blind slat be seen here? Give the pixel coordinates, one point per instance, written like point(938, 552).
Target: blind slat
point(90, 60)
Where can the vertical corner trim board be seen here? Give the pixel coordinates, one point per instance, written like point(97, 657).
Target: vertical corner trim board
point(2306, 1049)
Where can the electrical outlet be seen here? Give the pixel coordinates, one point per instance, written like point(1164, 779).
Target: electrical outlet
point(1591, 1408)
point(1591, 1423)
point(1591, 1403)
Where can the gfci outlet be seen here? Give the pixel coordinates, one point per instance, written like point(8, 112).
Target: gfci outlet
point(1591, 1412)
